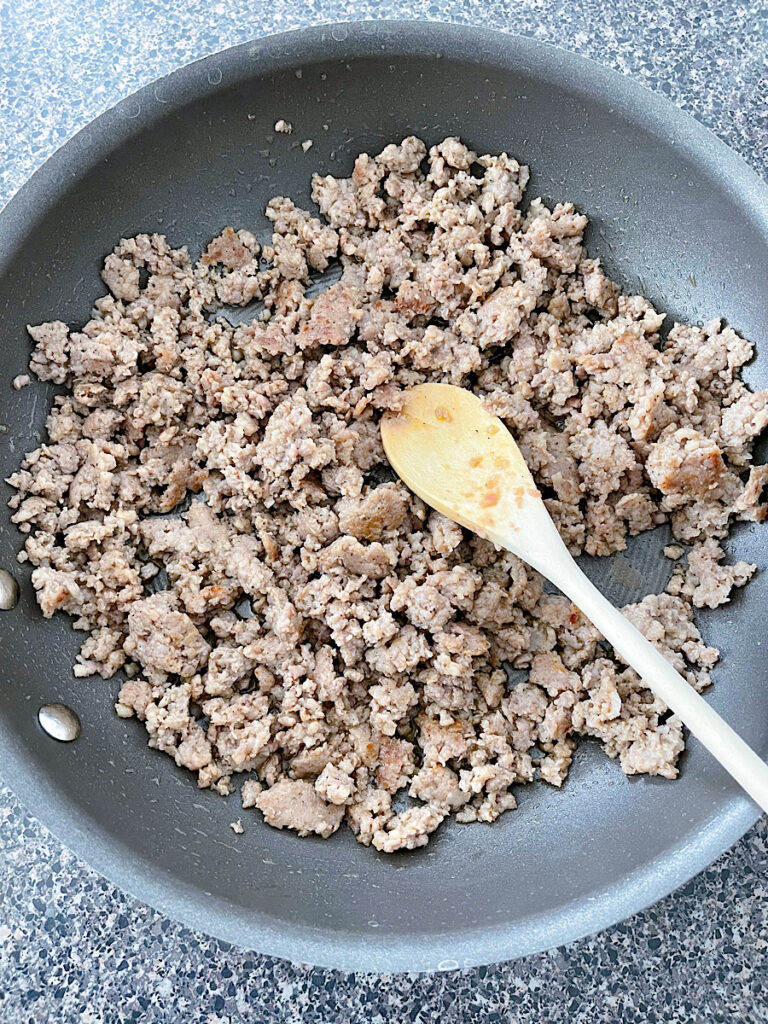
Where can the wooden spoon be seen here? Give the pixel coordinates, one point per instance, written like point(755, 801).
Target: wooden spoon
point(463, 462)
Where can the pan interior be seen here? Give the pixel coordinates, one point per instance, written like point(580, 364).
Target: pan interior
point(198, 151)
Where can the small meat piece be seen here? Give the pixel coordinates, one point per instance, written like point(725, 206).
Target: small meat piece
point(603, 457)
point(558, 718)
point(249, 793)
point(163, 639)
point(240, 728)
point(439, 786)
point(667, 621)
point(549, 672)
point(502, 314)
point(554, 767)
point(227, 666)
point(441, 743)
point(394, 763)
point(751, 503)
point(194, 750)
point(334, 317)
point(134, 698)
point(121, 276)
point(294, 804)
point(108, 355)
point(391, 702)
point(234, 249)
point(55, 590)
point(425, 605)
point(371, 560)
point(334, 785)
point(455, 153)
point(598, 290)
point(685, 464)
point(403, 653)
point(708, 583)
point(369, 813)
point(744, 420)
point(446, 535)
point(370, 516)
point(656, 752)
point(409, 830)
point(50, 357)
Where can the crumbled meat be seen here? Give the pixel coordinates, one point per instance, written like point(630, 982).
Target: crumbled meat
point(212, 503)
point(368, 517)
point(437, 785)
point(705, 582)
point(164, 640)
point(294, 803)
point(233, 249)
point(250, 792)
point(684, 463)
point(409, 830)
point(334, 785)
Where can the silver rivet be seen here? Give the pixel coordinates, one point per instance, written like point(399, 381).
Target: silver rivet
point(9, 591)
point(59, 721)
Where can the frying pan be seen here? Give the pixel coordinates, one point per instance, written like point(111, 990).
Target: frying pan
point(674, 213)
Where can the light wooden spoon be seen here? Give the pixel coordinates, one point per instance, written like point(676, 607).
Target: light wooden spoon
point(463, 462)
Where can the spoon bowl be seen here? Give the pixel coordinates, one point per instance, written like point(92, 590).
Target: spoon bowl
point(459, 458)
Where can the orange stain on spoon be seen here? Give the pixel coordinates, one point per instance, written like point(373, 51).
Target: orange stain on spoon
point(492, 495)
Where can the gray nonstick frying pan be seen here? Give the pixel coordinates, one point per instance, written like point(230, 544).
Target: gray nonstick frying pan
point(674, 214)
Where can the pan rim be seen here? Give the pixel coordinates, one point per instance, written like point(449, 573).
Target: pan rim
point(110, 856)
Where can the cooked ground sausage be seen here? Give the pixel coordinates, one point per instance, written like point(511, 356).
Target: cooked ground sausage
point(317, 627)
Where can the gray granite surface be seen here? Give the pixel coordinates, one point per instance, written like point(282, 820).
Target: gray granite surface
point(75, 949)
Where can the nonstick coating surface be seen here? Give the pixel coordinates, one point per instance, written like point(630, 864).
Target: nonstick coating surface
point(674, 213)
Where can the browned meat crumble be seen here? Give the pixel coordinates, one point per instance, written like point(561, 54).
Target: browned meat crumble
point(321, 629)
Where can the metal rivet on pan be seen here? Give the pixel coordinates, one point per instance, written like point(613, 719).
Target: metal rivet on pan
point(9, 591)
point(59, 721)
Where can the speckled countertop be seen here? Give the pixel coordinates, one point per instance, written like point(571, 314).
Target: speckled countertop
point(75, 949)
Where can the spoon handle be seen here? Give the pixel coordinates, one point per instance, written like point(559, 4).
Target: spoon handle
point(749, 770)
